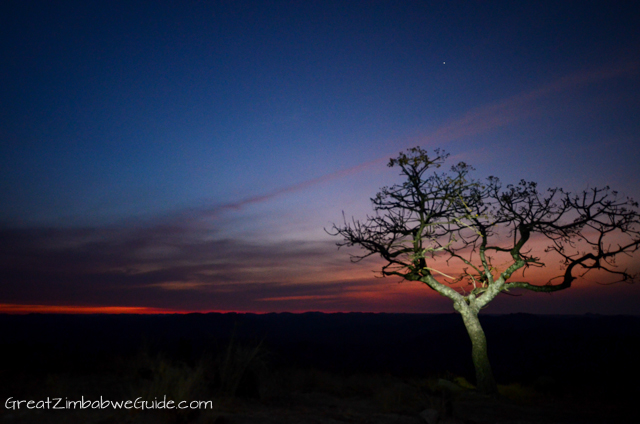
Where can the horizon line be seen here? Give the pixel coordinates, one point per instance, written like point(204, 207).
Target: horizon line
point(23, 310)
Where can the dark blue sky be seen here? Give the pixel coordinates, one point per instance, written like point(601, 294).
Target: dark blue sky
point(187, 155)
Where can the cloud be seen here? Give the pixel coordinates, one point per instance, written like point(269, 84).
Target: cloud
point(216, 210)
point(475, 122)
point(166, 265)
point(171, 266)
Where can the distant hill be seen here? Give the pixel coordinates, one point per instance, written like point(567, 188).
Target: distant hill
point(521, 346)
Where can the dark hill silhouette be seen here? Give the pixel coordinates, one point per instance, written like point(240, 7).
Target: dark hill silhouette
point(523, 346)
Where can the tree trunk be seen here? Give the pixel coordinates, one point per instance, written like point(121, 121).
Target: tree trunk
point(485, 382)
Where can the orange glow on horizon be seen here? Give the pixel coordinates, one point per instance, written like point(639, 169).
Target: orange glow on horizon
point(13, 309)
point(6, 308)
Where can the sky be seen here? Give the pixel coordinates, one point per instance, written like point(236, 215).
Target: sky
point(187, 156)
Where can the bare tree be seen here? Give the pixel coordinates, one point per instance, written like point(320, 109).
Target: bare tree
point(485, 231)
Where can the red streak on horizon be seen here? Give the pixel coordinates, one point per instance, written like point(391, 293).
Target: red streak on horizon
point(80, 310)
point(12, 309)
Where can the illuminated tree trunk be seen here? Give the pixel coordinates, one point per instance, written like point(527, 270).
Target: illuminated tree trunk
point(485, 383)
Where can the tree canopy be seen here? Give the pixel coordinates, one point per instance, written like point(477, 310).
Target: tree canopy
point(485, 231)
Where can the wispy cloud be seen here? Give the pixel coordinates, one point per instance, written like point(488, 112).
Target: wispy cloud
point(171, 268)
point(166, 266)
point(475, 122)
point(520, 107)
point(215, 210)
